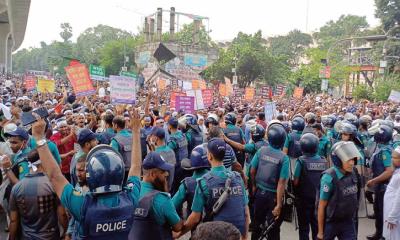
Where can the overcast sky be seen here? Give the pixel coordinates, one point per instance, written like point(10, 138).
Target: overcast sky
point(227, 17)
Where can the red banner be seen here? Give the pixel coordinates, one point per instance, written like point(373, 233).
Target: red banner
point(207, 97)
point(173, 98)
point(79, 77)
point(30, 82)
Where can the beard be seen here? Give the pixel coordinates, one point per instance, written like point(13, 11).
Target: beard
point(160, 184)
point(82, 182)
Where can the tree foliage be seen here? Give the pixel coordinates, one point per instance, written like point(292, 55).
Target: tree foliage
point(388, 11)
point(66, 33)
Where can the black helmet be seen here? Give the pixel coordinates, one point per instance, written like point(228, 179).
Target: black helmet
point(348, 128)
point(384, 134)
point(365, 121)
point(310, 118)
point(329, 121)
point(298, 123)
point(211, 119)
point(230, 118)
point(309, 144)
point(258, 133)
point(276, 135)
point(105, 170)
point(198, 159)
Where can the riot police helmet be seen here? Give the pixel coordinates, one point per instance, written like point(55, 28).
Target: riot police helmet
point(384, 134)
point(344, 151)
point(276, 135)
point(230, 118)
point(258, 133)
point(309, 144)
point(198, 159)
point(298, 123)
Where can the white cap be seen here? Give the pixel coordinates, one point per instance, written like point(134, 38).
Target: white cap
point(6, 111)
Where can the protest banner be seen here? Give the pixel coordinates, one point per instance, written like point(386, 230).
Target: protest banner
point(203, 84)
point(78, 75)
point(198, 98)
point(249, 93)
point(122, 90)
point(46, 85)
point(30, 82)
point(394, 96)
point(207, 97)
point(298, 92)
point(173, 98)
point(222, 90)
point(195, 84)
point(97, 73)
point(229, 87)
point(162, 84)
point(270, 109)
point(185, 103)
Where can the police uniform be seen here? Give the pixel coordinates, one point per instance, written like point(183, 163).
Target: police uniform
point(36, 202)
point(292, 144)
point(308, 170)
point(271, 164)
point(178, 143)
point(341, 191)
point(209, 189)
point(332, 135)
point(169, 156)
point(194, 137)
point(324, 147)
point(236, 134)
point(122, 143)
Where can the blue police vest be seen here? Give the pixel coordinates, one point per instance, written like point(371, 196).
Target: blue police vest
point(195, 140)
point(343, 203)
point(377, 166)
point(234, 134)
point(181, 151)
point(102, 222)
point(311, 171)
point(145, 227)
point(143, 143)
point(169, 157)
point(233, 210)
point(294, 149)
point(269, 167)
point(125, 146)
point(190, 185)
point(257, 146)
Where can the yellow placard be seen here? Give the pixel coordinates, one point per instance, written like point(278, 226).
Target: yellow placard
point(249, 93)
point(222, 89)
point(298, 92)
point(46, 85)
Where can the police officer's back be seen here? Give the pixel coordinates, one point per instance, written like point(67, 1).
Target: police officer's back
point(307, 175)
point(192, 131)
point(155, 215)
point(292, 143)
point(220, 192)
point(122, 142)
point(235, 134)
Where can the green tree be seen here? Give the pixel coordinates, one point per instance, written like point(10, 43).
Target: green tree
point(186, 36)
point(290, 46)
point(385, 85)
point(66, 33)
point(388, 11)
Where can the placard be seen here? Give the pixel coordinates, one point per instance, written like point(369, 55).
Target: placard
point(270, 109)
point(298, 92)
point(198, 98)
point(207, 97)
point(394, 96)
point(122, 90)
point(78, 75)
point(30, 82)
point(185, 103)
point(222, 90)
point(46, 85)
point(249, 93)
point(173, 98)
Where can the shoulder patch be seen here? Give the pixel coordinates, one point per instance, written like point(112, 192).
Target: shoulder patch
point(384, 157)
point(77, 193)
point(325, 188)
point(21, 169)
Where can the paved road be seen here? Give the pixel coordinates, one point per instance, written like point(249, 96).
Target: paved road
point(366, 227)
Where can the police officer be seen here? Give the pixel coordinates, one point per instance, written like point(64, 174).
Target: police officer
point(348, 132)
point(310, 119)
point(235, 134)
point(382, 170)
point(339, 194)
point(155, 215)
point(364, 123)
point(307, 175)
point(329, 123)
point(292, 143)
point(122, 142)
point(197, 163)
point(269, 174)
point(157, 143)
point(220, 192)
point(193, 133)
point(107, 197)
point(324, 146)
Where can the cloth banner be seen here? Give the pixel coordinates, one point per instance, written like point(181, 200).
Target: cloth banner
point(198, 98)
point(298, 92)
point(162, 84)
point(270, 109)
point(122, 90)
point(79, 77)
point(222, 90)
point(185, 103)
point(173, 98)
point(30, 82)
point(394, 96)
point(46, 85)
point(207, 97)
point(229, 87)
point(249, 93)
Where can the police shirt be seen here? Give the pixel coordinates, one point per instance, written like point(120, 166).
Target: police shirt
point(163, 207)
point(241, 131)
point(73, 200)
point(324, 147)
point(52, 147)
point(23, 167)
point(298, 166)
point(202, 195)
point(176, 135)
point(36, 202)
point(180, 195)
point(289, 139)
point(326, 188)
point(386, 156)
point(163, 148)
point(284, 174)
point(115, 145)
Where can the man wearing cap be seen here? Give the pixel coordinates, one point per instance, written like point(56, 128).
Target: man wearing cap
point(108, 195)
point(122, 141)
point(86, 140)
point(34, 205)
point(155, 215)
point(157, 142)
point(5, 117)
point(214, 184)
point(339, 194)
point(178, 143)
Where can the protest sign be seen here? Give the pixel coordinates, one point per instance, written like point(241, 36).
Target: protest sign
point(195, 84)
point(30, 82)
point(222, 90)
point(207, 97)
point(162, 84)
point(394, 96)
point(198, 98)
point(298, 92)
point(122, 90)
point(203, 84)
point(46, 85)
point(78, 75)
point(97, 73)
point(270, 109)
point(185, 103)
point(249, 93)
point(173, 98)
point(229, 87)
